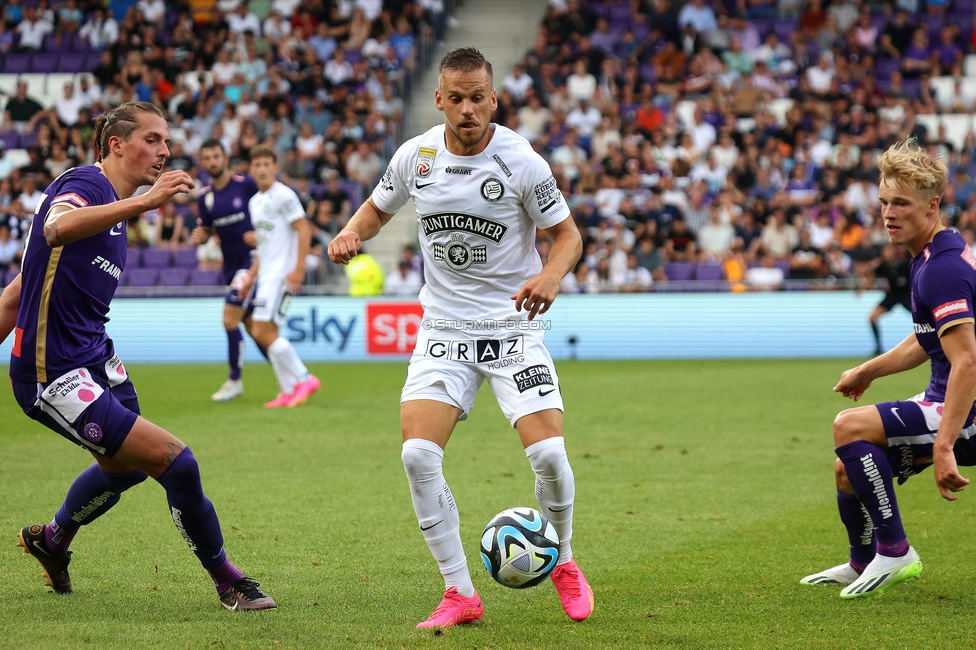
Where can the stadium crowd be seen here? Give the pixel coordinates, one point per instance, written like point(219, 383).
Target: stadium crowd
point(729, 142)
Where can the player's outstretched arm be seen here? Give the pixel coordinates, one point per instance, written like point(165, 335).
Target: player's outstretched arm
point(959, 345)
point(363, 225)
point(537, 295)
point(9, 301)
point(906, 355)
point(65, 223)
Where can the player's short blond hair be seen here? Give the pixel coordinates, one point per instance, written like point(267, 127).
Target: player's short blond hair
point(908, 165)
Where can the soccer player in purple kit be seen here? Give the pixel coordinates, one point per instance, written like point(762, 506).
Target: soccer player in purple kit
point(64, 369)
point(223, 210)
point(876, 443)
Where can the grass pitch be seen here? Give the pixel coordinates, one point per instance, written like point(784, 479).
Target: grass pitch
point(704, 493)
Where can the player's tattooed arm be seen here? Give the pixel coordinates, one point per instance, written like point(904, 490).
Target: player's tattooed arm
point(52, 233)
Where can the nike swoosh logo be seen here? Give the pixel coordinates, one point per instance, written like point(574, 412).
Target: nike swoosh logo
point(563, 509)
point(431, 526)
point(894, 412)
point(115, 232)
point(41, 548)
point(420, 187)
point(543, 394)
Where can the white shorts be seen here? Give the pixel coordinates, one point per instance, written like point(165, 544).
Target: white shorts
point(269, 301)
point(449, 366)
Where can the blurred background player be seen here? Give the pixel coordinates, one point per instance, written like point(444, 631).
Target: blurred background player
point(894, 268)
point(64, 369)
point(478, 239)
point(223, 210)
point(276, 274)
point(874, 443)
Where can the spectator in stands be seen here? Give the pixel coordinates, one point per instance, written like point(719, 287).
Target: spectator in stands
point(32, 29)
point(699, 16)
point(363, 165)
point(405, 281)
point(31, 195)
point(635, 278)
point(58, 161)
point(715, 238)
point(897, 35)
point(680, 243)
point(518, 83)
point(13, 13)
point(598, 279)
point(10, 249)
point(779, 237)
point(918, 59)
point(765, 275)
point(170, 230)
point(22, 112)
point(7, 162)
point(948, 53)
point(807, 262)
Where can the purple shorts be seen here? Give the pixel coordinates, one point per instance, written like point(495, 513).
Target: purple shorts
point(84, 406)
point(910, 426)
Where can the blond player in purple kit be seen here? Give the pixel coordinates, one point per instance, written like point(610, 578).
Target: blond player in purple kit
point(876, 443)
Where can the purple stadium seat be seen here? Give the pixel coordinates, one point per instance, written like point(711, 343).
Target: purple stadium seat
point(133, 258)
point(10, 140)
point(679, 271)
point(785, 28)
point(620, 13)
point(709, 271)
point(156, 258)
point(174, 277)
point(599, 8)
point(75, 63)
point(27, 140)
point(185, 258)
point(46, 63)
point(142, 277)
point(883, 67)
point(763, 26)
point(206, 278)
point(16, 63)
point(785, 265)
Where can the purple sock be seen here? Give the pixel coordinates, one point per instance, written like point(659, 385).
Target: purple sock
point(90, 496)
point(192, 511)
point(870, 474)
point(860, 530)
point(224, 576)
point(235, 351)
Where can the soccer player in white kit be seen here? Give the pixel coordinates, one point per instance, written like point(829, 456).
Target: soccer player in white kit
point(480, 192)
point(276, 274)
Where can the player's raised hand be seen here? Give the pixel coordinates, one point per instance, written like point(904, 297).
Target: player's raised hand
point(537, 295)
point(852, 384)
point(344, 247)
point(168, 185)
point(947, 476)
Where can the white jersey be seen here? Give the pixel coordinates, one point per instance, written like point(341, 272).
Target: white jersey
point(476, 220)
point(272, 214)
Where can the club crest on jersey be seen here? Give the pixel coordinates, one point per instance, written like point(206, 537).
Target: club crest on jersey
point(425, 161)
point(208, 200)
point(458, 254)
point(492, 190)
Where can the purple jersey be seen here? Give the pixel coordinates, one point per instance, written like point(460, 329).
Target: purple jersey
point(225, 211)
point(943, 292)
point(66, 291)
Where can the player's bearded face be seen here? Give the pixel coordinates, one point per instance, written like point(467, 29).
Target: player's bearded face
point(467, 100)
point(213, 160)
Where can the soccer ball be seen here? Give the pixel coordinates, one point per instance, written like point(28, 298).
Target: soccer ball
point(519, 547)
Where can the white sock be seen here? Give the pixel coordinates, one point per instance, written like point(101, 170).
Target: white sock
point(436, 511)
point(288, 368)
point(555, 488)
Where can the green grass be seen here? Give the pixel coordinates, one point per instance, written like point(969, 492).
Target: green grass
point(704, 493)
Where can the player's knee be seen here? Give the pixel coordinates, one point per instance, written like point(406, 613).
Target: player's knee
point(845, 428)
point(548, 457)
point(421, 458)
point(182, 471)
point(840, 478)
